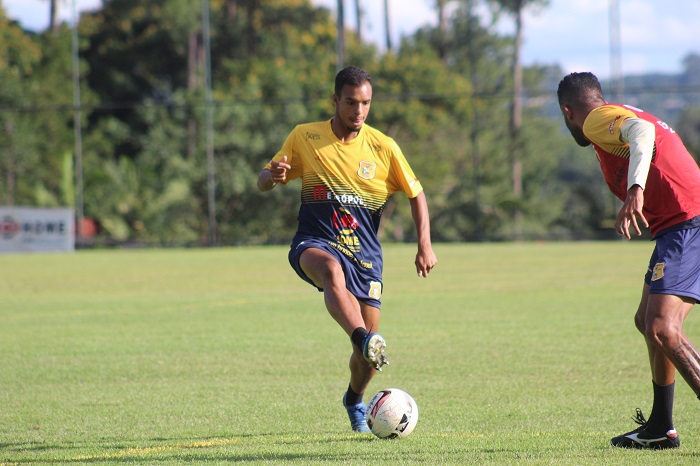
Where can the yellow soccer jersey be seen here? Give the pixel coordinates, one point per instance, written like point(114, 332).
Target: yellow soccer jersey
point(345, 186)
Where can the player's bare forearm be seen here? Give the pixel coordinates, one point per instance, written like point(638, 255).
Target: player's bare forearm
point(425, 259)
point(421, 218)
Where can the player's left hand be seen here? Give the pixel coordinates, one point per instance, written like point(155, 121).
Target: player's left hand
point(631, 209)
point(425, 261)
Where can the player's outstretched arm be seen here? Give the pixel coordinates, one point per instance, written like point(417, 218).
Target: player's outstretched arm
point(640, 135)
point(425, 258)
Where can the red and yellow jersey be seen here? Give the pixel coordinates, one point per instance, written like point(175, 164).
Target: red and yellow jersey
point(345, 186)
point(672, 192)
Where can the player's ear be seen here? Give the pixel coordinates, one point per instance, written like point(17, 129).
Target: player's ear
point(567, 112)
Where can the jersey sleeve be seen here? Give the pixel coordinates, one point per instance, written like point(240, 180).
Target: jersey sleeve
point(602, 126)
point(641, 136)
point(401, 174)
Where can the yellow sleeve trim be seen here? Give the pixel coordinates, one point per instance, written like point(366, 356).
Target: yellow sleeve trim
point(602, 126)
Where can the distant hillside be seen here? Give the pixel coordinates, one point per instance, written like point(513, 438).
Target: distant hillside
point(664, 95)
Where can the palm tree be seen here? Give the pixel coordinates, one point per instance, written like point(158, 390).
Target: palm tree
point(340, 39)
point(387, 30)
point(53, 24)
point(442, 28)
point(516, 8)
point(358, 15)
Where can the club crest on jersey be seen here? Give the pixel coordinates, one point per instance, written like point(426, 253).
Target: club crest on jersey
point(658, 272)
point(367, 170)
point(375, 290)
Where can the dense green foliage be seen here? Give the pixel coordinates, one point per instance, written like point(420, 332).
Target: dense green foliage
point(516, 353)
point(443, 95)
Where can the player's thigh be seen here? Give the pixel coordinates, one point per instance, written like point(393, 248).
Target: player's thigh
point(641, 316)
point(667, 312)
point(320, 266)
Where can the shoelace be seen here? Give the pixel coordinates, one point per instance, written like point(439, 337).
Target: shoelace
point(358, 408)
point(639, 418)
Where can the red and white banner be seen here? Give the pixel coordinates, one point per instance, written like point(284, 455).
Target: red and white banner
point(28, 229)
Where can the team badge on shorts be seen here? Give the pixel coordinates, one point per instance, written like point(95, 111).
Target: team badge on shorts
point(367, 170)
point(375, 290)
point(658, 272)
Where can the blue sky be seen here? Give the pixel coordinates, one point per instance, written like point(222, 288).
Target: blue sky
point(575, 34)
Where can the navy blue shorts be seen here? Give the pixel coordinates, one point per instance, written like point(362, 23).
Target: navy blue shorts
point(674, 267)
point(364, 286)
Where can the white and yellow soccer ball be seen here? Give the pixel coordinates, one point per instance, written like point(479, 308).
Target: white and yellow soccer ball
point(392, 413)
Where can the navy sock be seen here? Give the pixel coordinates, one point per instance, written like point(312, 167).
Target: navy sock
point(661, 418)
point(352, 398)
point(358, 336)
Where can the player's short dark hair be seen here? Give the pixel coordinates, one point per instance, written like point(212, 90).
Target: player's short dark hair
point(353, 76)
point(577, 87)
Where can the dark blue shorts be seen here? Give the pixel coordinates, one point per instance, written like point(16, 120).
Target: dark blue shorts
point(363, 285)
point(674, 267)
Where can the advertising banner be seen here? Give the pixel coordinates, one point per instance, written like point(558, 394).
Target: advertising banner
point(28, 229)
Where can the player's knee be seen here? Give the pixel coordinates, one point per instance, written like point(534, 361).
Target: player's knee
point(662, 334)
point(332, 273)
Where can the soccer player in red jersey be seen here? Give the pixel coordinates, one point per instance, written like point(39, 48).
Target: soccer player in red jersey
point(646, 166)
point(348, 171)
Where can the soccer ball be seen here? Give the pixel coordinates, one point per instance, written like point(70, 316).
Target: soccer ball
point(392, 413)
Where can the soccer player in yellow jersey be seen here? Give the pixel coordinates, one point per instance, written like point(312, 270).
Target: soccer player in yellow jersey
point(348, 171)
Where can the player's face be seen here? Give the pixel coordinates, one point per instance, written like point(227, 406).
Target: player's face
point(576, 131)
point(352, 106)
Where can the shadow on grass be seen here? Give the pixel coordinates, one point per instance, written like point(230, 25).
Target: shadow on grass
point(165, 450)
point(30, 446)
point(270, 447)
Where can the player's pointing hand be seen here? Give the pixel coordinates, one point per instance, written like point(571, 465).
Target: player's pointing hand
point(278, 170)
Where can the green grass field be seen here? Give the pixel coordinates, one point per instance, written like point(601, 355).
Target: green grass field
point(515, 354)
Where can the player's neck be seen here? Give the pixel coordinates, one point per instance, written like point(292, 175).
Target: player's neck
point(343, 133)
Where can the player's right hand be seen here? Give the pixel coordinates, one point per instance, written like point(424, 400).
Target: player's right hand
point(278, 170)
point(631, 209)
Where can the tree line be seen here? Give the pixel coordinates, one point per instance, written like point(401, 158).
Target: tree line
point(445, 94)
